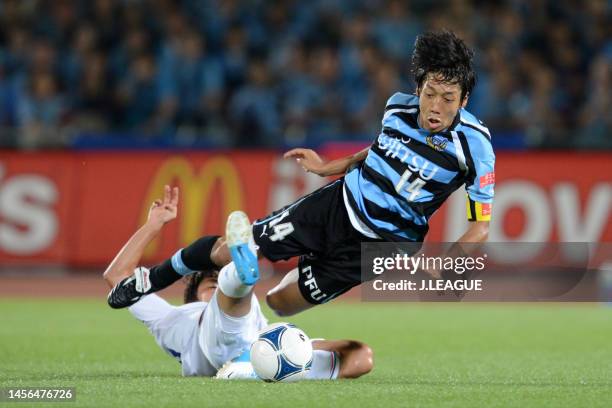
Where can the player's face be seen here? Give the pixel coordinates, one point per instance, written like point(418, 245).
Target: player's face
point(439, 102)
point(207, 288)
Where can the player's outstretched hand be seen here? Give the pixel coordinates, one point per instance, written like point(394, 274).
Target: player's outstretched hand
point(165, 210)
point(308, 159)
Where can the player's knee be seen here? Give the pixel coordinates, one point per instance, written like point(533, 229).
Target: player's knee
point(278, 305)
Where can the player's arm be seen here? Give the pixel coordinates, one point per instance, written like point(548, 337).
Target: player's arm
point(161, 212)
point(478, 231)
point(356, 358)
point(480, 185)
point(313, 163)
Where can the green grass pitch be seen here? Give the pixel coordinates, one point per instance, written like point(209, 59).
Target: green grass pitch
point(426, 355)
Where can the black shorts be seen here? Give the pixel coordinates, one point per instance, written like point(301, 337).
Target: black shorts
point(318, 230)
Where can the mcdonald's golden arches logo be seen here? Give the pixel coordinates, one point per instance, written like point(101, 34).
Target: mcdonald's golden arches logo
point(196, 193)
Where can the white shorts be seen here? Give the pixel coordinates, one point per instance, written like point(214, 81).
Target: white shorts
point(203, 346)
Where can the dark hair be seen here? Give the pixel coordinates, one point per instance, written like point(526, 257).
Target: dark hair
point(444, 54)
point(192, 283)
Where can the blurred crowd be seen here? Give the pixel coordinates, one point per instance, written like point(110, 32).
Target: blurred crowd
point(266, 73)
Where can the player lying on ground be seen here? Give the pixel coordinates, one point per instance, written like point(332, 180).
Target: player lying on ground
point(221, 315)
point(429, 146)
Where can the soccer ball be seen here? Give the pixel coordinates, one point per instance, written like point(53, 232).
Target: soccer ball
point(282, 352)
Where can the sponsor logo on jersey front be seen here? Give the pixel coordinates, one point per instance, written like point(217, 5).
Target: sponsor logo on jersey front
point(417, 164)
point(437, 142)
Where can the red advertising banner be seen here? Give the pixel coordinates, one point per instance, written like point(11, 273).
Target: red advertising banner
point(116, 191)
point(78, 208)
point(543, 197)
point(35, 206)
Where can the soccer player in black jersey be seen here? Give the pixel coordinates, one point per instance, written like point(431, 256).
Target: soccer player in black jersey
point(428, 147)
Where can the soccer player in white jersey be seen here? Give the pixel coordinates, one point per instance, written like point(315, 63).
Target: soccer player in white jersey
point(216, 328)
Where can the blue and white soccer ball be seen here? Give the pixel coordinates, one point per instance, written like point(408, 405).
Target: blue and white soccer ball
point(281, 353)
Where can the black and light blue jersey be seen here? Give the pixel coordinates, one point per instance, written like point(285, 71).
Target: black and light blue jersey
point(409, 172)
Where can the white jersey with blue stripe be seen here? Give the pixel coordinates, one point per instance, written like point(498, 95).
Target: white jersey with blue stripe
point(409, 172)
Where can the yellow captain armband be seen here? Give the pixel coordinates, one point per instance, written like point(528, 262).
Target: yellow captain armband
point(478, 211)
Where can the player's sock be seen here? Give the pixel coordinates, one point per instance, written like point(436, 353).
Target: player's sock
point(193, 258)
point(230, 283)
point(325, 365)
point(197, 255)
point(163, 275)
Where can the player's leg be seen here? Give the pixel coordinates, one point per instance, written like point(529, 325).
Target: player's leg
point(306, 227)
point(214, 252)
point(237, 278)
point(186, 261)
point(315, 281)
point(233, 318)
point(278, 239)
point(234, 300)
point(318, 280)
point(220, 254)
point(340, 359)
point(286, 299)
